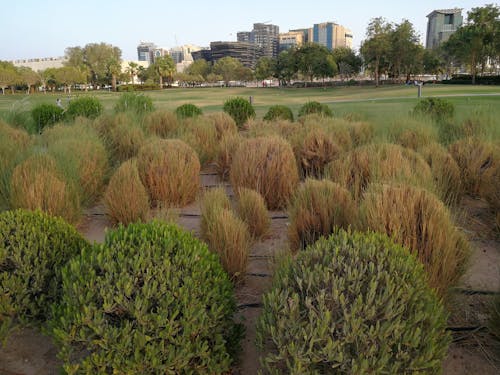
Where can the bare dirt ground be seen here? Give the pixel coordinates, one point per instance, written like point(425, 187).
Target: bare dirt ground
point(29, 353)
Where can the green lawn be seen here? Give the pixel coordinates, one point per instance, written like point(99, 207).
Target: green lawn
point(379, 105)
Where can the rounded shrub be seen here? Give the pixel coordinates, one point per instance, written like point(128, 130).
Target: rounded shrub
point(317, 208)
point(188, 110)
point(313, 107)
point(226, 150)
point(151, 299)
point(412, 133)
point(278, 111)
point(163, 124)
point(170, 171)
point(317, 149)
point(126, 199)
point(266, 165)
point(436, 108)
point(240, 110)
point(224, 124)
point(37, 184)
point(136, 103)
point(201, 135)
point(352, 304)
point(418, 220)
point(212, 201)
point(87, 106)
point(33, 248)
point(45, 115)
point(251, 208)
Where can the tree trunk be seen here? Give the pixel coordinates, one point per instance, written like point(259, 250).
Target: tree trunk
point(113, 82)
point(3, 90)
point(376, 72)
point(161, 82)
point(473, 69)
point(69, 89)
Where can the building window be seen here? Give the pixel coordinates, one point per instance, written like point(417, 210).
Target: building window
point(448, 19)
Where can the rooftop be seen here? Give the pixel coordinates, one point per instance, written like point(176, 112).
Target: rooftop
point(446, 11)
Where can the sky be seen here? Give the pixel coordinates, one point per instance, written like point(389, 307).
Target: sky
point(45, 28)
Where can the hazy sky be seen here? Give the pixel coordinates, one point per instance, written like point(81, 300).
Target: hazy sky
point(44, 28)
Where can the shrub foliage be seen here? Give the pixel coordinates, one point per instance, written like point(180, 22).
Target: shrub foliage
point(240, 110)
point(313, 107)
point(438, 109)
point(87, 106)
point(278, 112)
point(352, 304)
point(45, 115)
point(188, 110)
point(137, 103)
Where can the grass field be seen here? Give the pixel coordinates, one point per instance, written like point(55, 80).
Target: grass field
point(380, 106)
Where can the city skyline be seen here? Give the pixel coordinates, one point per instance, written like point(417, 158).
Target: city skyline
point(44, 29)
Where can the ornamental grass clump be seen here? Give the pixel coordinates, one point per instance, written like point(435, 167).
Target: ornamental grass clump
point(226, 150)
point(33, 248)
point(170, 171)
point(266, 165)
point(251, 208)
point(352, 303)
point(139, 104)
point(126, 199)
point(418, 220)
point(411, 133)
point(317, 208)
point(37, 184)
point(317, 149)
point(161, 123)
point(224, 124)
point(361, 133)
point(152, 299)
point(201, 135)
point(212, 201)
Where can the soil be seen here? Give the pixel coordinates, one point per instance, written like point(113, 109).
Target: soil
point(27, 352)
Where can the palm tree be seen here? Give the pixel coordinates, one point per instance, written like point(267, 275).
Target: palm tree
point(114, 69)
point(132, 70)
point(164, 66)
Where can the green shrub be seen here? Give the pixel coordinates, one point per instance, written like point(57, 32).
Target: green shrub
point(352, 304)
point(132, 102)
point(188, 110)
point(278, 111)
point(315, 107)
point(46, 115)
point(33, 248)
point(438, 109)
point(86, 107)
point(240, 110)
point(152, 299)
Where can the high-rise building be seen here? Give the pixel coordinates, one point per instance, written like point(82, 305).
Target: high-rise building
point(145, 52)
point(247, 53)
point(291, 39)
point(265, 35)
point(441, 24)
point(245, 36)
point(331, 35)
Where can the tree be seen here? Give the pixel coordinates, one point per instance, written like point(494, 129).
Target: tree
point(433, 62)
point(227, 68)
point(132, 70)
point(28, 77)
point(376, 47)
point(8, 76)
point(68, 76)
point(264, 68)
point(114, 70)
point(285, 67)
point(348, 63)
point(406, 53)
point(198, 68)
point(312, 61)
point(164, 67)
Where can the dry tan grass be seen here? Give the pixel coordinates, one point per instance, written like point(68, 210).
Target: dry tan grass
point(490, 182)
point(268, 166)
point(170, 171)
point(361, 133)
point(418, 220)
point(126, 140)
point(445, 171)
point(379, 163)
point(200, 133)
point(316, 150)
point(411, 133)
point(126, 198)
point(318, 207)
point(283, 128)
point(225, 152)
point(228, 236)
point(36, 184)
point(224, 124)
point(251, 208)
point(212, 201)
point(163, 124)
point(474, 157)
point(338, 129)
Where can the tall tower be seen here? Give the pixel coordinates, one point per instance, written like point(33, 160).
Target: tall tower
point(266, 36)
point(441, 24)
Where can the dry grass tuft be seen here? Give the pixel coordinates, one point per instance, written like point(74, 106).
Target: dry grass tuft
point(200, 133)
point(225, 153)
point(414, 134)
point(126, 198)
point(316, 150)
point(379, 163)
point(490, 183)
point(445, 171)
point(163, 124)
point(268, 166)
point(170, 171)
point(317, 208)
point(361, 133)
point(418, 220)
point(251, 208)
point(212, 201)
point(36, 184)
point(224, 124)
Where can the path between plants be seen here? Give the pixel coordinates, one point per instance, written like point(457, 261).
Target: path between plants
point(29, 353)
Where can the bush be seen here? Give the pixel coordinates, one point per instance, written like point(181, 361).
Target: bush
point(316, 108)
point(33, 248)
point(188, 110)
point(490, 183)
point(317, 209)
point(316, 150)
point(240, 110)
point(37, 184)
point(170, 171)
point(419, 221)
point(412, 133)
point(126, 198)
point(361, 133)
point(86, 107)
point(136, 103)
point(268, 166)
point(212, 201)
point(151, 299)
point(224, 124)
point(251, 208)
point(163, 124)
point(226, 149)
point(201, 135)
point(352, 304)
point(46, 115)
point(436, 108)
point(278, 111)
